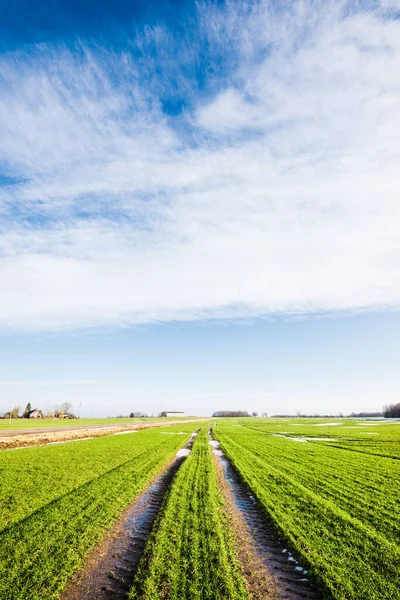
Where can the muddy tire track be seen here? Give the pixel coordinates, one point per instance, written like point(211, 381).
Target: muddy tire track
point(111, 567)
point(291, 580)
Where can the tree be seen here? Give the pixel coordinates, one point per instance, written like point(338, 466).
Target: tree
point(15, 412)
point(392, 411)
point(27, 411)
point(66, 408)
point(254, 414)
point(231, 413)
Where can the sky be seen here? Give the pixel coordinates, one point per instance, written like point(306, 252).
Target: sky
point(199, 205)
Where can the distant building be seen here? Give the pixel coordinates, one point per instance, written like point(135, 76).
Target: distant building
point(171, 413)
point(35, 414)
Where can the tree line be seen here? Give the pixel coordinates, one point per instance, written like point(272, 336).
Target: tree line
point(60, 411)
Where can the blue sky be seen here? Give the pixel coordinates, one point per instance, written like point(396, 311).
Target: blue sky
point(199, 205)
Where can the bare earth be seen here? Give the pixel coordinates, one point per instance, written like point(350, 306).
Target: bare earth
point(19, 439)
point(260, 581)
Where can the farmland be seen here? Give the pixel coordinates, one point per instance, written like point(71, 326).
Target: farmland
point(191, 552)
point(6, 424)
point(333, 493)
point(330, 487)
point(56, 502)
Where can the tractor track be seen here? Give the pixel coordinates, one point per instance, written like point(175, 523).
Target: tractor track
point(291, 580)
point(111, 567)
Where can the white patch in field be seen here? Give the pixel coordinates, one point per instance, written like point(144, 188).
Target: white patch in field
point(214, 443)
point(325, 424)
point(183, 452)
point(217, 452)
point(320, 439)
point(286, 437)
point(125, 432)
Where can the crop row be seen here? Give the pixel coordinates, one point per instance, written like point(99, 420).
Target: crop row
point(40, 552)
point(380, 438)
point(33, 477)
point(191, 553)
point(363, 485)
point(339, 509)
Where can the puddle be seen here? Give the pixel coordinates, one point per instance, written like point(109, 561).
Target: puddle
point(304, 439)
point(325, 424)
point(287, 437)
point(320, 439)
point(292, 580)
point(110, 571)
point(183, 452)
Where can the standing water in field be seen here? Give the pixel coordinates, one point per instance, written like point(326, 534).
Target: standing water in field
point(111, 568)
point(292, 580)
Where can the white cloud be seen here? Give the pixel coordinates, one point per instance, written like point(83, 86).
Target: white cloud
point(275, 193)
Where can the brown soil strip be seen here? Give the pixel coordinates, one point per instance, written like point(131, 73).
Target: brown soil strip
point(270, 567)
point(261, 583)
point(46, 437)
point(109, 571)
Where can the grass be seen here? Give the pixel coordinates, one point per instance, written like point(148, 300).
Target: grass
point(56, 503)
point(336, 501)
point(334, 496)
point(191, 553)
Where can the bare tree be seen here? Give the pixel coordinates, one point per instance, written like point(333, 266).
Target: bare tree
point(15, 412)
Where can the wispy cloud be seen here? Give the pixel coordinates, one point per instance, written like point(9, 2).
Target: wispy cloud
point(247, 168)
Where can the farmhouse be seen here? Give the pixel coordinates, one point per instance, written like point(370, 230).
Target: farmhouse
point(35, 414)
point(170, 413)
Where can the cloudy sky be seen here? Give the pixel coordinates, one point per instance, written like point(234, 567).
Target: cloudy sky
point(199, 205)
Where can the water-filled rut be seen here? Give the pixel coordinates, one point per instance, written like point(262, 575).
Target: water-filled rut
point(111, 567)
point(292, 582)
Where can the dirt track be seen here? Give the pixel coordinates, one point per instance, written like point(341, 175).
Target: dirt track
point(12, 432)
point(38, 437)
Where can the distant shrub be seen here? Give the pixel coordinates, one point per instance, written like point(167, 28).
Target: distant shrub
point(231, 413)
point(392, 411)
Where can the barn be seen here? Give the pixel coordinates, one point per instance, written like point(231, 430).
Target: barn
point(171, 413)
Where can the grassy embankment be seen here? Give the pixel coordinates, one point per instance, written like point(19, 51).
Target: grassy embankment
point(6, 424)
point(191, 552)
point(56, 502)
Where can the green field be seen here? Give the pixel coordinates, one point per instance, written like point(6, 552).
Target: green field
point(331, 487)
point(333, 491)
point(191, 553)
point(57, 501)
